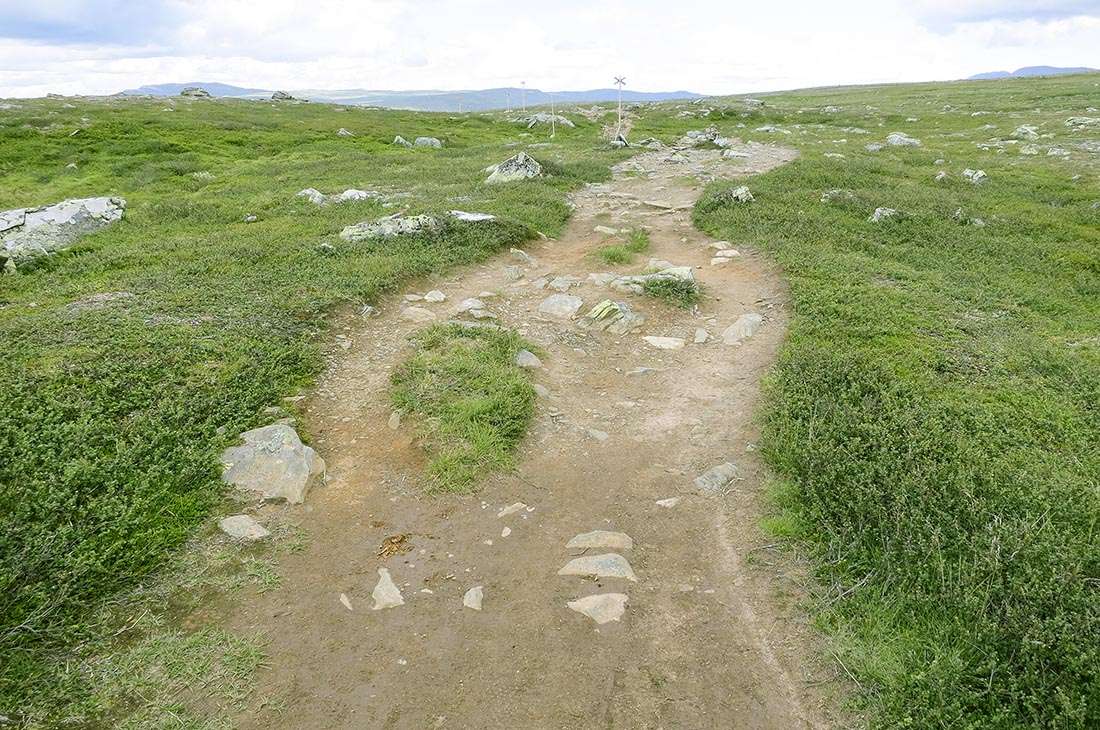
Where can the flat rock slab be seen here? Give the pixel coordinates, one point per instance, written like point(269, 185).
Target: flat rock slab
point(274, 463)
point(386, 594)
point(417, 314)
point(560, 306)
point(473, 598)
point(602, 607)
point(668, 503)
point(743, 328)
point(716, 478)
point(528, 360)
point(243, 527)
point(601, 540)
point(512, 509)
point(665, 343)
point(608, 565)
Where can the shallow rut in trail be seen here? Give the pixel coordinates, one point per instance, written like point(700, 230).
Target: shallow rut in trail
point(710, 637)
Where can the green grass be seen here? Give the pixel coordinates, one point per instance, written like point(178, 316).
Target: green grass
point(934, 417)
point(136, 665)
point(114, 418)
point(677, 292)
point(623, 253)
point(472, 401)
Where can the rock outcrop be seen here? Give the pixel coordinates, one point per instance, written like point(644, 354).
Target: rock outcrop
point(274, 463)
point(393, 225)
point(28, 233)
point(517, 167)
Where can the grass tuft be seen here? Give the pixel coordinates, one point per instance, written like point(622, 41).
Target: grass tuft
point(623, 253)
point(677, 292)
point(473, 401)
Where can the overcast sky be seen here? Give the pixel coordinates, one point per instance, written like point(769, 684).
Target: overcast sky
point(719, 46)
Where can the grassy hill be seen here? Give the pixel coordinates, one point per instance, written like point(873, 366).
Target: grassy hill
point(932, 423)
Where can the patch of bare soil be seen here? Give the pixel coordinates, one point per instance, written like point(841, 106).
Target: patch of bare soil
point(711, 636)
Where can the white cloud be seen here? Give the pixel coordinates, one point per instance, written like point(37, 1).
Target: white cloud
point(700, 45)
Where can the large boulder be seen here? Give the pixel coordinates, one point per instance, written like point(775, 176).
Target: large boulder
point(517, 167)
point(282, 96)
point(900, 139)
point(545, 118)
point(316, 197)
point(28, 233)
point(393, 225)
point(196, 91)
point(427, 142)
point(274, 463)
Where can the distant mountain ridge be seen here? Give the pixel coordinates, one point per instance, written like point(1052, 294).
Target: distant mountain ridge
point(1033, 71)
point(426, 100)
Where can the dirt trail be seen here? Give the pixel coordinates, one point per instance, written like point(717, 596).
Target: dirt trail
point(704, 641)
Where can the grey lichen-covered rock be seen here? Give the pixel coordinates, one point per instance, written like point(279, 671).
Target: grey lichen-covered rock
point(975, 176)
point(882, 214)
point(664, 343)
point(873, 147)
point(742, 328)
point(427, 142)
point(341, 132)
point(602, 607)
point(614, 317)
point(282, 96)
point(545, 118)
point(1083, 122)
point(1027, 132)
point(635, 284)
point(601, 540)
point(466, 217)
point(560, 306)
point(901, 139)
point(318, 198)
point(243, 527)
point(528, 360)
point(715, 479)
point(518, 167)
point(28, 233)
point(274, 463)
point(393, 225)
point(196, 92)
point(608, 565)
point(739, 194)
point(401, 141)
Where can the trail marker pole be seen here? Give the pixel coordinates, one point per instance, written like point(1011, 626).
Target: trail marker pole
point(620, 81)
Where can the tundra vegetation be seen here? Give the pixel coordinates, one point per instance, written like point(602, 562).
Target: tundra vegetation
point(932, 422)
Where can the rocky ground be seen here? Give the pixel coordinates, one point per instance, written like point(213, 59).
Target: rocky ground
point(619, 577)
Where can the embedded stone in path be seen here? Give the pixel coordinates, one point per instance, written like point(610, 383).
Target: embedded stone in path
point(716, 478)
point(602, 607)
point(601, 540)
point(512, 509)
point(435, 296)
point(417, 314)
point(743, 328)
point(243, 527)
point(665, 343)
point(274, 463)
point(386, 594)
point(608, 565)
point(701, 336)
point(560, 306)
point(528, 360)
point(668, 503)
point(473, 598)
